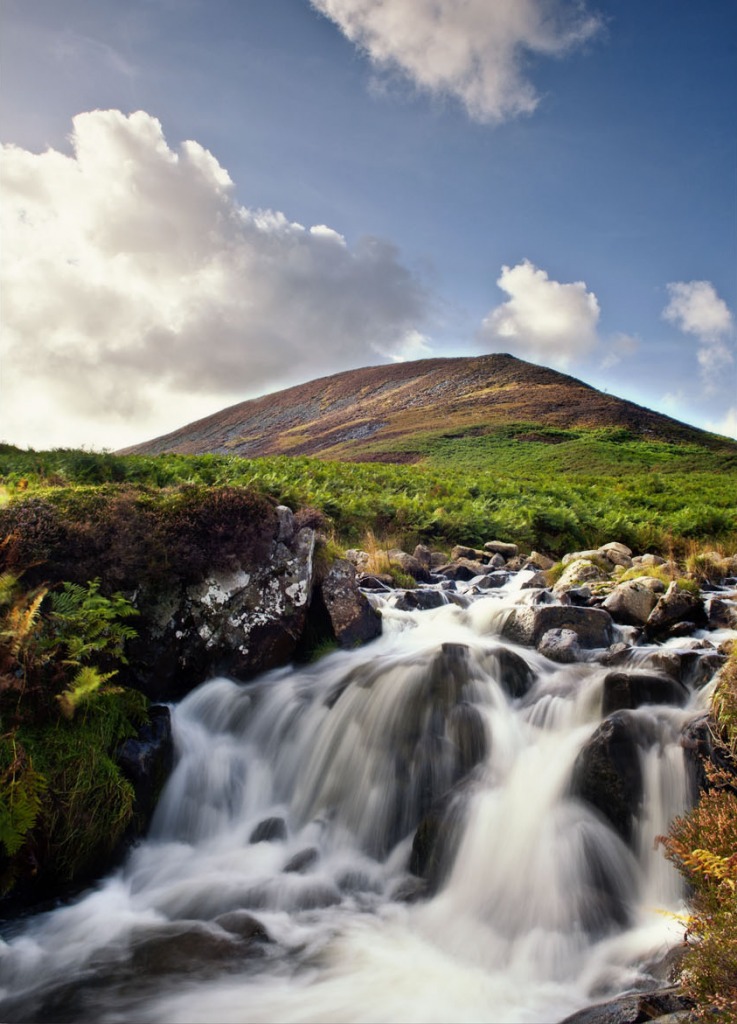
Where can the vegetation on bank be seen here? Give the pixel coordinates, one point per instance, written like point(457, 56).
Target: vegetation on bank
point(64, 803)
point(703, 845)
point(532, 506)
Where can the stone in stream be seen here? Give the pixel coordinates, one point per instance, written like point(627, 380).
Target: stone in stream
point(633, 689)
point(607, 773)
point(270, 830)
point(527, 624)
point(675, 606)
point(632, 602)
point(662, 1005)
point(352, 618)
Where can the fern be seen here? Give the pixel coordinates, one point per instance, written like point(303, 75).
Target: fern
point(85, 685)
point(21, 791)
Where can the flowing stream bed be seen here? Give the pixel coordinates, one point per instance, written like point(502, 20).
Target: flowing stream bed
point(275, 885)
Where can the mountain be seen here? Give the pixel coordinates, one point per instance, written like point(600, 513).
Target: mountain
point(398, 412)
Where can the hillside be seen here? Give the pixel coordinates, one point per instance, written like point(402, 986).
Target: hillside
point(431, 409)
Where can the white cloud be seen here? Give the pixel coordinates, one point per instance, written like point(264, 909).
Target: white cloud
point(620, 347)
point(695, 308)
point(727, 425)
point(473, 50)
point(543, 319)
point(136, 290)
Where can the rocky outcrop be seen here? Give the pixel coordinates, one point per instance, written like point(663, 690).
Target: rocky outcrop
point(352, 619)
point(632, 601)
point(146, 760)
point(675, 607)
point(607, 773)
point(669, 1006)
point(246, 619)
point(527, 625)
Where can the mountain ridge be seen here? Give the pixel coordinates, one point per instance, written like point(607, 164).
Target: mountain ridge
point(374, 413)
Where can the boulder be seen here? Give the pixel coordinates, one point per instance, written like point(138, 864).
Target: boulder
point(574, 556)
point(560, 645)
point(270, 830)
point(664, 1005)
point(539, 561)
point(419, 600)
point(352, 618)
point(631, 602)
point(409, 564)
point(461, 551)
point(499, 547)
point(462, 569)
point(238, 621)
point(675, 606)
point(423, 554)
point(527, 624)
point(146, 760)
point(358, 558)
point(647, 559)
point(633, 689)
point(607, 772)
point(618, 554)
point(578, 571)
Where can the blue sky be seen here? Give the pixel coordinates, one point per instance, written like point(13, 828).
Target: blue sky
point(204, 200)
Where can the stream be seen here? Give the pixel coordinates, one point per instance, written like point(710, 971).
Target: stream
point(274, 885)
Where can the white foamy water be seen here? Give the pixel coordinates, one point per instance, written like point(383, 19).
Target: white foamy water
point(536, 907)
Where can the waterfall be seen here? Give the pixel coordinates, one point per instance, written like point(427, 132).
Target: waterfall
point(275, 883)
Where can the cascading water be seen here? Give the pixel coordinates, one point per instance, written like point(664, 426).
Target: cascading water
point(275, 882)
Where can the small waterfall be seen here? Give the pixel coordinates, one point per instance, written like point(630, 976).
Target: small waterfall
point(297, 807)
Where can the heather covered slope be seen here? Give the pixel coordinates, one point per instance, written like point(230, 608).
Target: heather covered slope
point(407, 412)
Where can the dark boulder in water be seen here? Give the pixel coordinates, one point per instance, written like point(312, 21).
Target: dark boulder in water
point(270, 830)
point(607, 773)
point(665, 1004)
point(623, 690)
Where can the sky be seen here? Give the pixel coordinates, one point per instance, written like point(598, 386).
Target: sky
point(208, 200)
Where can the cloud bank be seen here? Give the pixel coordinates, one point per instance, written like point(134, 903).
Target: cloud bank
point(543, 320)
point(472, 50)
point(135, 287)
point(695, 308)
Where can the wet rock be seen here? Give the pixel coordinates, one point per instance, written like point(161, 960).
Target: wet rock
point(419, 600)
point(244, 925)
point(316, 896)
point(705, 754)
point(637, 1009)
point(527, 625)
point(496, 561)
point(238, 621)
point(499, 547)
point(185, 946)
point(607, 773)
point(270, 830)
point(675, 606)
point(375, 581)
point(146, 760)
point(302, 861)
point(533, 580)
point(492, 581)
point(631, 690)
point(512, 672)
point(467, 733)
point(560, 645)
point(580, 596)
point(631, 602)
point(436, 839)
point(352, 618)
point(462, 569)
point(722, 614)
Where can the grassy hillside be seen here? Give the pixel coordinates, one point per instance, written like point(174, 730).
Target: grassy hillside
point(518, 495)
point(409, 412)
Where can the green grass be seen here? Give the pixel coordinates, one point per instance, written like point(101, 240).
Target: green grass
point(522, 499)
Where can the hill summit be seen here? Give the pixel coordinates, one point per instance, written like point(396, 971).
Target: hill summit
point(386, 413)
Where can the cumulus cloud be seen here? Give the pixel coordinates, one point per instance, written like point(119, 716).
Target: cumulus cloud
point(543, 319)
point(727, 425)
point(136, 287)
point(473, 50)
point(695, 308)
